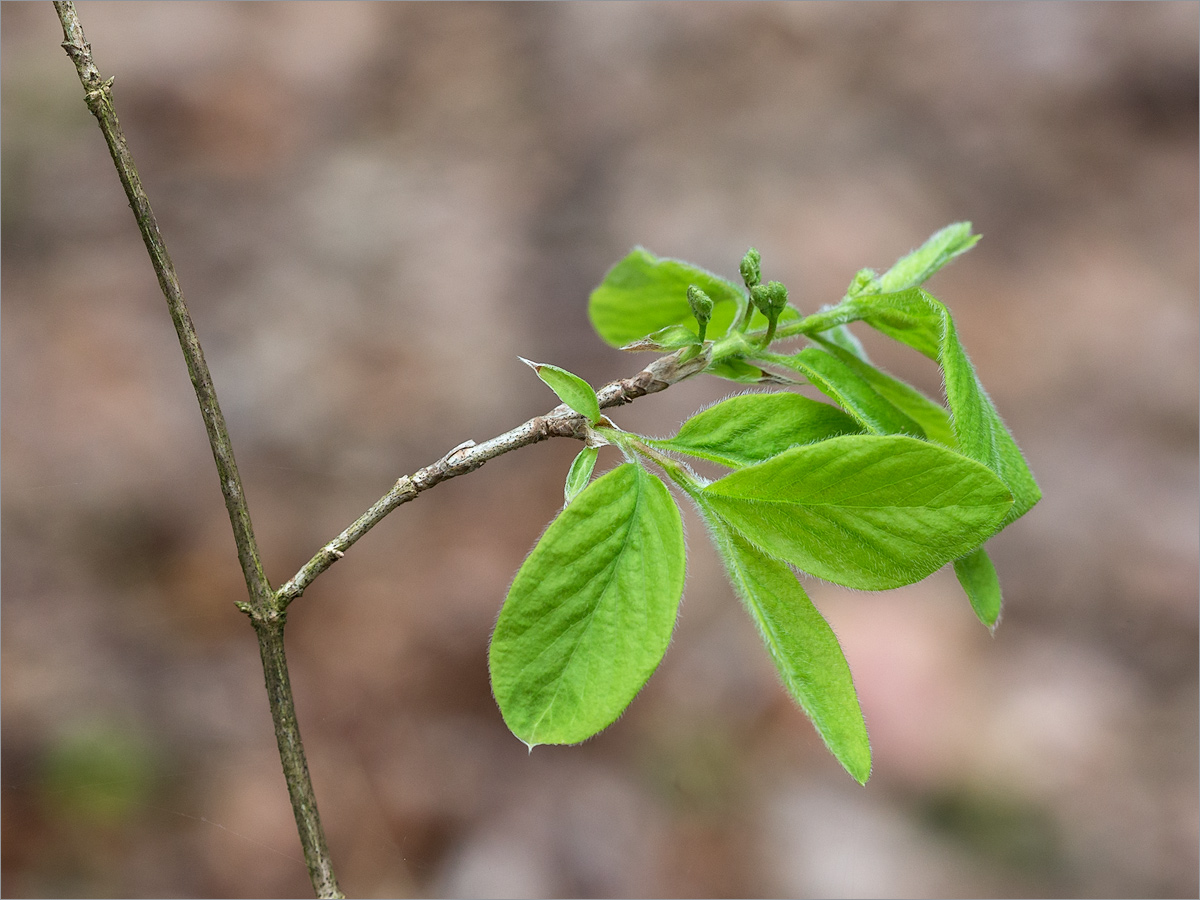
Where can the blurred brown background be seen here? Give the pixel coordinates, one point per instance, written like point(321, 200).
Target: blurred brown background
point(374, 208)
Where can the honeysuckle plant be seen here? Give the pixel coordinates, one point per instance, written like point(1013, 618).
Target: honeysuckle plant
point(874, 487)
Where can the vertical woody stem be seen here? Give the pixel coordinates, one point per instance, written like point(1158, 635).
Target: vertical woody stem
point(291, 754)
point(265, 609)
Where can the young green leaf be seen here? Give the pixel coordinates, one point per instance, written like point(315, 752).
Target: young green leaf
point(802, 645)
point(839, 381)
point(571, 389)
point(589, 615)
point(735, 369)
point(750, 428)
point(978, 578)
point(644, 293)
point(843, 338)
point(580, 472)
point(865, 511)
point(665, 339)
point(918, 319)
point(931, 416)
point(919, 266)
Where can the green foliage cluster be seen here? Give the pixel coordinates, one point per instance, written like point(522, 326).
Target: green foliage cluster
point(876, 489)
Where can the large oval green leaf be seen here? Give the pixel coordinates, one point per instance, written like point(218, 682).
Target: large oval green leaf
point(644, 293)
point(589, 616)
point(866, 511)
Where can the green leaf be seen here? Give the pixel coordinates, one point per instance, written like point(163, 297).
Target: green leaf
point(580, 472)
point(750, 428)
point(571, 389)
point(978, 578)
point(734, 369)
point(917, 267)
point(930, 415)
point(838, 380)
point(590, 613)
point(643, 293)
point(843, 338)
point(918, 319)
point(802, 645)
point(665, 339)
point(865, 511)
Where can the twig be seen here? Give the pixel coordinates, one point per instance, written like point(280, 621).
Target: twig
point(264, 610)
point(559, 422)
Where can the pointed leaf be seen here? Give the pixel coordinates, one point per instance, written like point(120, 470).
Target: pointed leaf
point(865, 511)
point(978, 578)
point(842, 337)
point(750, 428)
point(735, 369)
point(918, 319)
point(665, 339)
point(571, 389)
point(930, 415)
point(644, 293)
point(591, 611)
point(917, 267)
point(802, 645)
point(839, 381)
point(580, 472)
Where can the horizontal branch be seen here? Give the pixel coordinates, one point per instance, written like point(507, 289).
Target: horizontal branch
point(559, 422)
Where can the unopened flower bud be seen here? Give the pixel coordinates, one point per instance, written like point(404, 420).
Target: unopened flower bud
point(777, 298)
point(769, 299)
point(702, 307)
point(866, 281)
point(751, 268)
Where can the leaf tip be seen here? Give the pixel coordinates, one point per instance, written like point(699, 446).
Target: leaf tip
point(860, 768)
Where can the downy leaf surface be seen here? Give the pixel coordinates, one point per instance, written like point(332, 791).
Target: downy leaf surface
point(801, 644)
point(918, 319)
point(917, 267)
point(865, 511)
point(750, 428)
point(589, 615)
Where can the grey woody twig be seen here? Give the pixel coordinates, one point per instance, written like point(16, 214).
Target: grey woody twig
point(263, 608)
point(559, 422)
